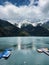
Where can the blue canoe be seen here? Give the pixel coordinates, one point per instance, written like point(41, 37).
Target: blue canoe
point(5, 54)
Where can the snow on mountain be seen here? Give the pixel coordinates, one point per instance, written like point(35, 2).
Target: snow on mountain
point(25, 22)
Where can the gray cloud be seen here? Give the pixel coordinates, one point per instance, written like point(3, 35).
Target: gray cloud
point(30, 13)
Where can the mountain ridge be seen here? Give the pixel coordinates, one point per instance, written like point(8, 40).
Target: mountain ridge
point(8, 29)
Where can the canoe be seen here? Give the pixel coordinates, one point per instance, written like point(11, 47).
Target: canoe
point(5, 54)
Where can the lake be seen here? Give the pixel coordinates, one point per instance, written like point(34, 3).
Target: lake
point(24, 50)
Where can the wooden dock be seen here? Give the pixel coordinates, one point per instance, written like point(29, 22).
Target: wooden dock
point(43, 50)
point(46, 52)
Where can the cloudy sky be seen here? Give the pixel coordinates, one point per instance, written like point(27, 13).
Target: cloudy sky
point(21, 10)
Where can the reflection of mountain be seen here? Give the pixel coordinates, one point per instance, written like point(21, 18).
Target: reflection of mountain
point(27, 46)
point(7, 29)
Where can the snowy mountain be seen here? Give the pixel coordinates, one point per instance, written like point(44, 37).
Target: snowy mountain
point(25, 29)
point(44, 24)
point(25, 23)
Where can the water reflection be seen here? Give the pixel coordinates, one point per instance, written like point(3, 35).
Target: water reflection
point(32, 43)
point(27, 46)
point(19, 43)
point(24, 44)
point(24, 52)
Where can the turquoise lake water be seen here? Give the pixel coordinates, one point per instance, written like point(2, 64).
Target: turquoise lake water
point(24, 50)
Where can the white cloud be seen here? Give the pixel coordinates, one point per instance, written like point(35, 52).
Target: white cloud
point(31, 2)
point(31, 13)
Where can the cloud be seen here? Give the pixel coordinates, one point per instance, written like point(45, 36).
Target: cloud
point(31, 13)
